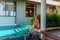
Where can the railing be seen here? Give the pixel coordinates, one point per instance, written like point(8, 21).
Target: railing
point(48, 36)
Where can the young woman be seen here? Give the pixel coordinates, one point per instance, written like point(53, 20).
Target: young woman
point(34, 28)
point(35, 24)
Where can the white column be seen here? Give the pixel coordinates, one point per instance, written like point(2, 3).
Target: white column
point(43, 16)
point(34, 9)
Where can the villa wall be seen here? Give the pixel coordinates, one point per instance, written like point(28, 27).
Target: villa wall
point(20, 17)
point(38, 8)
point(21, 13)
point(49, 9)
point(7, 20)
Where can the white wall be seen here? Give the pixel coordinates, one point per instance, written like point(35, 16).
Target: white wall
point(47, 9)
point(38, 8)
point(7, 20)
point(21, 13)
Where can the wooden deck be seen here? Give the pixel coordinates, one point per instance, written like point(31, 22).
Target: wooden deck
point(48, 34)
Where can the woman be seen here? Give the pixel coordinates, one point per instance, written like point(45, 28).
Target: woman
point(35, 24)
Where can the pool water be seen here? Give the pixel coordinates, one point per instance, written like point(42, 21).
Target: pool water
point(13, 30)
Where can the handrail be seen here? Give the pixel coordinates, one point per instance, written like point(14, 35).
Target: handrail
point(48, 35)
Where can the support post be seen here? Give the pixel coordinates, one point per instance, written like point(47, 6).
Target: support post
point(43, 16)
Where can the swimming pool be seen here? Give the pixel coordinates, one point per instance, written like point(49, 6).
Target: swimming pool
point(10, 30)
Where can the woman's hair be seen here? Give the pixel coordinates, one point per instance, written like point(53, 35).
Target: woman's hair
point(35, 17)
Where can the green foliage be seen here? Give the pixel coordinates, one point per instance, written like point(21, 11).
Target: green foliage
point(58, 21)
point(31, 20)
point(58, 9)
point(52, 19)
point(38, 16)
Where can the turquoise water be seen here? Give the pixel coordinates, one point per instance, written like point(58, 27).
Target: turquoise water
point(14, 30)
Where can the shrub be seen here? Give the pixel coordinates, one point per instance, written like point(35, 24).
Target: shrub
point(31, 20)
point(52, 19)
point(58, 21)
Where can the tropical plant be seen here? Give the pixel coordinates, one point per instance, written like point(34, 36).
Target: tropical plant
point(52, 19)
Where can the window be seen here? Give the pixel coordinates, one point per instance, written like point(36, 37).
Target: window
point(2, 4)
point(30, 10)
point(52, 9)
point(7, 8)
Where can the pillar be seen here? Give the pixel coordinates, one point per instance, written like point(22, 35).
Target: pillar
point(43, 16)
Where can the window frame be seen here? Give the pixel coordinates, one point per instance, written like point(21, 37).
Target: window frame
point(34, 9)
point(9, 15)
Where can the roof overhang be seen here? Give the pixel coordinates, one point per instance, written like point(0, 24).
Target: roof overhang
point(33, 2)
point(57, 0)
point(23, 0)
point(50, 2)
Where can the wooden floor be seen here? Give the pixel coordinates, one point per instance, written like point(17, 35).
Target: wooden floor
point(51, 32)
